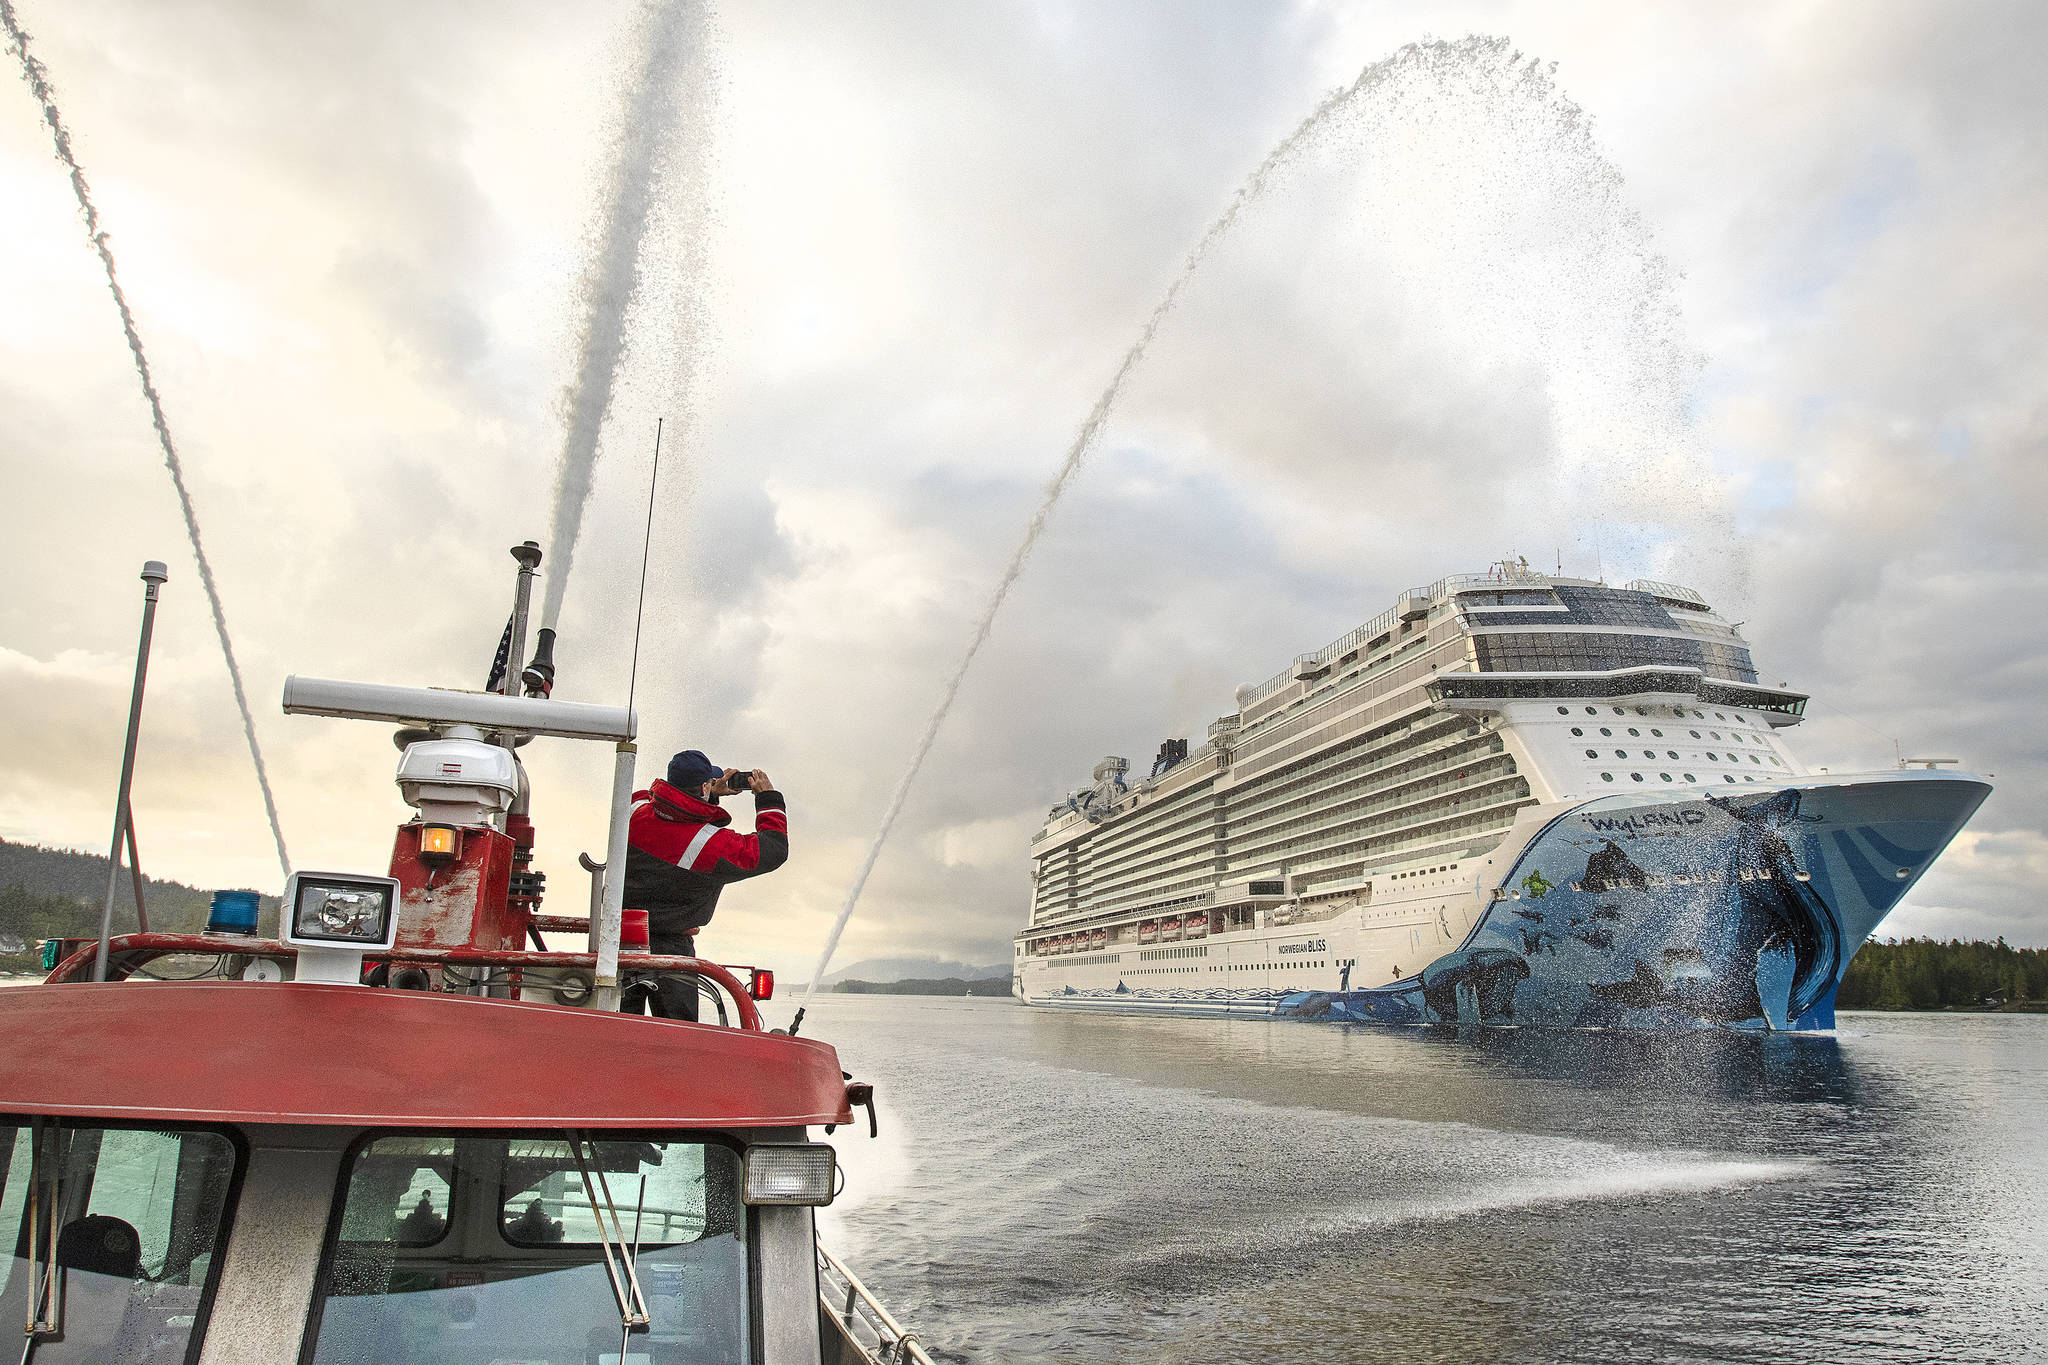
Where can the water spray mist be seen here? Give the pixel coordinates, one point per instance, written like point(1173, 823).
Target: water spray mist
point(654, 108)
point(1085, 441)
point(39, 86)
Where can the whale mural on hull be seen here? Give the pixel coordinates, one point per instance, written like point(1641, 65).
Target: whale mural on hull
point(1704, 912)
point(1683, 910)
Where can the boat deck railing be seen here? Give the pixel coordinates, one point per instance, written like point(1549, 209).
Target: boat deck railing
point(130, 954)
point(864, 1325)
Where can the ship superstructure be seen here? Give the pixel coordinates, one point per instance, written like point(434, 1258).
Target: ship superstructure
point(1369, 833)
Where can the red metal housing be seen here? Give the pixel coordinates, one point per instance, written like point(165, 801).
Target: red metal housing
point(256, 1052)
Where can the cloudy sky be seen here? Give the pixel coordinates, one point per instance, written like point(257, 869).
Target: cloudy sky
point(1750, 297)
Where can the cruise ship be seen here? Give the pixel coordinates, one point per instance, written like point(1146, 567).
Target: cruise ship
point(1513, 798)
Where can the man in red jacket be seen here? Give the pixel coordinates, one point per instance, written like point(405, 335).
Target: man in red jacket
point(680, 855)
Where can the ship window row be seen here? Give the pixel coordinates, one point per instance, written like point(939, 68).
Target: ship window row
point(1149, 879)
point(1194, 843)
point(1736, 735)
point(1678, 711)
point(1709, 754)
point(1386, 830)
point(1144, 822)
point(1152, 899)
point(1188, 802)
point(1392, 784)
point(1117, 841)
point(1595, 607)
point(1460, 775)
point(1127, 891)
point(1312, 689)
point(1288, 759)
point(1422, 839)
point(1163, 846)
point(1127, 821)
point(1165, 858)
point(1187, 805)
point(1462, 845)
point(1725, 777)
point(1273, 729)
point(1283, 785)
point(1417, 814)
point(1125, 827)
point(1573, 652)
point(1375, 771)
point(1423, 872)
point(1118, 873)
point(1150, 822)
point(1412, 797)
point(1509, 597)
point(1099, 903)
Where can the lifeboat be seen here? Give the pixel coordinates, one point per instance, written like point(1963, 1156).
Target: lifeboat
point(391, 1130)
point(1169, 931)
point(1148, 932)
point(1099, 939)
point(1196, 926)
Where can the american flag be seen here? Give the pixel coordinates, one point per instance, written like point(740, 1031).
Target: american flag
point(503, 659)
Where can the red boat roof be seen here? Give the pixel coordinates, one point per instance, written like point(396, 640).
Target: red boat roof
point(263, 1052)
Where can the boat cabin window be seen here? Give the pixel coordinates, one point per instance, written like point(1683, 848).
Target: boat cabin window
point(113, 1236)
point(452, 1247)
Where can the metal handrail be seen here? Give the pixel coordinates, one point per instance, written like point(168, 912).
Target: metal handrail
point(893, 1345)
point(136, 949)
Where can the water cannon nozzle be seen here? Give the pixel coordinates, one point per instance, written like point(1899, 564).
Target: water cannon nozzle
point(527, 552)
point(539, 675)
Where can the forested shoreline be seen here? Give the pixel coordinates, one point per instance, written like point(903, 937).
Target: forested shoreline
point(1928, 974)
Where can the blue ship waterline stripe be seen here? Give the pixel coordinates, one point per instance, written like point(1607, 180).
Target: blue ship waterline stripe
point(1886, 848)
point(1879, 889)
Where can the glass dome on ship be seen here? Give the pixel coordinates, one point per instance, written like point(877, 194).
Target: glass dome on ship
point(397, 1132)
point(1512, 798)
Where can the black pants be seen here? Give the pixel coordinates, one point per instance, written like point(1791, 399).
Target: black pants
point(672, 995)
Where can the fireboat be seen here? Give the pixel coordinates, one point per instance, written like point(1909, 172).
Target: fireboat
point(403, 1130)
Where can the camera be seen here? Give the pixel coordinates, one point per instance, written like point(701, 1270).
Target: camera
point(741, 781)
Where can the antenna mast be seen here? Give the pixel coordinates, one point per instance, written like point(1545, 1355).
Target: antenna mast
point(646, 543)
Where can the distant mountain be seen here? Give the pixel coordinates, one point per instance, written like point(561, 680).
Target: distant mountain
point(882, 970)
point(951, 985)
point(63, 891)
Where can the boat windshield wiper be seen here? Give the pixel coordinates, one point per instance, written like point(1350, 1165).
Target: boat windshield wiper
point(619, 1253)
point(45, 1318)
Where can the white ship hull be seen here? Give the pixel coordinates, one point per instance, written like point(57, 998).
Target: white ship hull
point(1678, 909)
point(1527, 814)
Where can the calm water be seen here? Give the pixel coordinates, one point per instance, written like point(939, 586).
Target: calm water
point(1058, 1188)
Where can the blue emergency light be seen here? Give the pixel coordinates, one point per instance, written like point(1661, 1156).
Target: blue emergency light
point(233, 912)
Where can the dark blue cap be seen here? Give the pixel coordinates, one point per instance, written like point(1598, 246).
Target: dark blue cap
point(690, 770)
